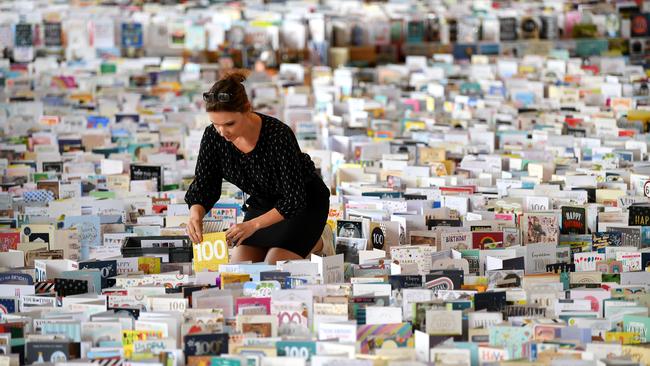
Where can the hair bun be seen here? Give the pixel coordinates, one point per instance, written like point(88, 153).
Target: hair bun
point(238, 76)
point(231, 83)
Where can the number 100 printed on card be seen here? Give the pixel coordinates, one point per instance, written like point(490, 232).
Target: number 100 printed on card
point(211, 252)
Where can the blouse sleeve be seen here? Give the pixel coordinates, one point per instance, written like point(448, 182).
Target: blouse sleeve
point(205, 190)
point(289, 178)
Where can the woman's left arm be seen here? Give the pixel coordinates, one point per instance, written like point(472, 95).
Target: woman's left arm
point(240, 232)
point(271, 217)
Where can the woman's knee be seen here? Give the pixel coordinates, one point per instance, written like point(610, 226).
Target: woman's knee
point(279, 254)
point(244, 253)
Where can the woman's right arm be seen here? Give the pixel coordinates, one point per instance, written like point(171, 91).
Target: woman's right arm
point(205, 190)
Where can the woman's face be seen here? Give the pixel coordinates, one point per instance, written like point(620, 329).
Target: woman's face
point(230, 125)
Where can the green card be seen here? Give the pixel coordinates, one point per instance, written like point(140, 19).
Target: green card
point(102, 194)
point(108, 68)
point(302, 349)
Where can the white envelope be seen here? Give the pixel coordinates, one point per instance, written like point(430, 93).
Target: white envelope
point(12, 259)
point(111, 167)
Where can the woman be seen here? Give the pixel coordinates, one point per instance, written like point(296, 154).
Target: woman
point(288, 204)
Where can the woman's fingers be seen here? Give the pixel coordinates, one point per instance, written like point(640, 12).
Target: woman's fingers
point(190, 231)
point(193, 235)
point(232, 232)
point(236, 234)
point(233, 237)
point(199, 232)
point(195, 231)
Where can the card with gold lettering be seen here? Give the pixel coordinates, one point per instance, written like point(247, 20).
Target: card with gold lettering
point(639, 215)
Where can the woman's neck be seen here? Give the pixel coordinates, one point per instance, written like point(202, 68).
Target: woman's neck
point(254, 127)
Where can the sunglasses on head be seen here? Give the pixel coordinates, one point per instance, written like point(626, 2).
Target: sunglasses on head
point(209, 97)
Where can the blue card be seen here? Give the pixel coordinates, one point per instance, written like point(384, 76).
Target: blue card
point(88, 229)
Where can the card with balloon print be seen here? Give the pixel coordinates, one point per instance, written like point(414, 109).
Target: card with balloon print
point(587, 261)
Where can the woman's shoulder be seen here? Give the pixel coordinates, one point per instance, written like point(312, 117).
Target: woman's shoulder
point(273, 126)
point(213, 139)
point(211, 135)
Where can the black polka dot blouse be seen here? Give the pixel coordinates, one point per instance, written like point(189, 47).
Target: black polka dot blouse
point(274, 173)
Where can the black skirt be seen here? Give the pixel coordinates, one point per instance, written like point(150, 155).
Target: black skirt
point(298, 234)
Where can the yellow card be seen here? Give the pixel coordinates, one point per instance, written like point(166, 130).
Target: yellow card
point(622, 337)
point(230, 279)
point(211, 252)
point(431, 104)
point(414, 125)
point(149, 265)
point(130, 336)
point(638, 115)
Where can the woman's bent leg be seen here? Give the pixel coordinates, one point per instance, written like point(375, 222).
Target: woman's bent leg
point(278, 254)
point(244, 253)
point(318, 248)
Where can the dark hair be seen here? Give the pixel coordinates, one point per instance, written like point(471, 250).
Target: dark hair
point(228, 94)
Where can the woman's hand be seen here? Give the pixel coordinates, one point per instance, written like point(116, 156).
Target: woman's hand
point(195, 223)
point(240, 232)
point(195, 229)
